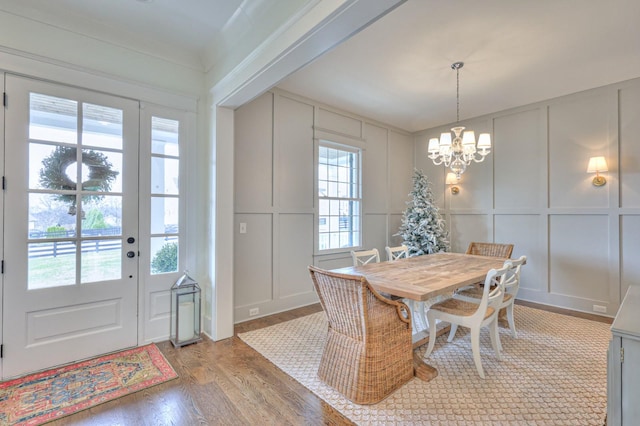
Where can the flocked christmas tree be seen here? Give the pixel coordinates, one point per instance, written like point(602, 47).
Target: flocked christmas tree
point(423, 230)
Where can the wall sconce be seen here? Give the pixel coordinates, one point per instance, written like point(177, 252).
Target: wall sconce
point(452, 180)
point(596, 165)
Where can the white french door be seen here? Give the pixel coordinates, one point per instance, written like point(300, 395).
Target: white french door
point(71, 225)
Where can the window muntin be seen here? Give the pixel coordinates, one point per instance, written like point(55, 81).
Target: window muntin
point(339, 196)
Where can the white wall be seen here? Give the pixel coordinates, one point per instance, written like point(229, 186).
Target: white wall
point(533, 191)
point(274, 195)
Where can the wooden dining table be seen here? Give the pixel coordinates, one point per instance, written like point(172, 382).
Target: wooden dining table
point(422, 279)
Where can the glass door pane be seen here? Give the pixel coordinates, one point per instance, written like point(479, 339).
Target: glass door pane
point(59, 207)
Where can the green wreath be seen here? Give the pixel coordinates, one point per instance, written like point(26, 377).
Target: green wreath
point(53, 174)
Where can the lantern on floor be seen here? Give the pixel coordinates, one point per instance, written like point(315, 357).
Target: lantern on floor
point(185, 311)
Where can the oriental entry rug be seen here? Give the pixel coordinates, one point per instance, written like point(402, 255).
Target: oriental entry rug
point(553, 373)
point(51, 394)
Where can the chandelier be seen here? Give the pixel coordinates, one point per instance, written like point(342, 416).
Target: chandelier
point(458, 153)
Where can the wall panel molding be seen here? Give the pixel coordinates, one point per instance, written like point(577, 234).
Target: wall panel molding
point(282, 169)
point(580, 239)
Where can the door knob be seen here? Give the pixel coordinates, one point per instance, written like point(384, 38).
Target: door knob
point(131, 254)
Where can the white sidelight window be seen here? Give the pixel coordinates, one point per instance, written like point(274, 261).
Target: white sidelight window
point(165, 195)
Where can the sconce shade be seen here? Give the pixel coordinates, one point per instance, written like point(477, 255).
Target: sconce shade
point(452, 179)
point(597, 164)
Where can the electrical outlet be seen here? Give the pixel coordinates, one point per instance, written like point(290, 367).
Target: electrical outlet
point(600, 308)
point(254, 311)
point(243, 228)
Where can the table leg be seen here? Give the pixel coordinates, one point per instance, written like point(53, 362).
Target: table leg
point(418, 318)
point(422, 337)
point(420, 331)
point(422, 370)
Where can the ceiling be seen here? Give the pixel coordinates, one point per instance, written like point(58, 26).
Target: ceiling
point(398, 70)
point(190, 32)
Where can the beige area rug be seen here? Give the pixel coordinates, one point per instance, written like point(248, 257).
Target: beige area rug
point(554, 373)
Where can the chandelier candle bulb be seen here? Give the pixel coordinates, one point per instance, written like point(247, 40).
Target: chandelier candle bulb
point(434, 145)
point(484, 141)
point(469, 138)
point(445, 140)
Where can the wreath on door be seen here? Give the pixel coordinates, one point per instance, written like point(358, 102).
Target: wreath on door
point(53, 174)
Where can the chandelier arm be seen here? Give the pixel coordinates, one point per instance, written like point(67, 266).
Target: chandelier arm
point(437, 161)
point(481, 159)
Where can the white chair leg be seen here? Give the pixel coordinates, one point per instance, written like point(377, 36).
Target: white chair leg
point(432, 336)
point(495, 338)
point(475, 347)
point(452, 333)
point(512, 323)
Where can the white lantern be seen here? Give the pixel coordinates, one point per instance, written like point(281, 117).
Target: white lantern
point(185, 311)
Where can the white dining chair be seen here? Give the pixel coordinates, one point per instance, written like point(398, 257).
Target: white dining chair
point(364, 257)
point(472, 315)
point(510, 283)
point(398, 252)
point(417, 308)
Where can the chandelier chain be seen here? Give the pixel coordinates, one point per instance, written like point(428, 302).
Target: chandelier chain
point(457, 94)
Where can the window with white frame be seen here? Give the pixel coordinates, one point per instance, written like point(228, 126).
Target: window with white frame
point(165, 195)
point(339, 196)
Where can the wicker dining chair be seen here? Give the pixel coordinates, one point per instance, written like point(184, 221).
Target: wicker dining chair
point(490, 249)
point(503, 251)
point(368, 353)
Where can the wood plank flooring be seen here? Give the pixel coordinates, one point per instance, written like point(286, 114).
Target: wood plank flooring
point(227, 383)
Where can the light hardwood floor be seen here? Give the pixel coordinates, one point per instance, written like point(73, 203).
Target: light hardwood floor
point(228, 383)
